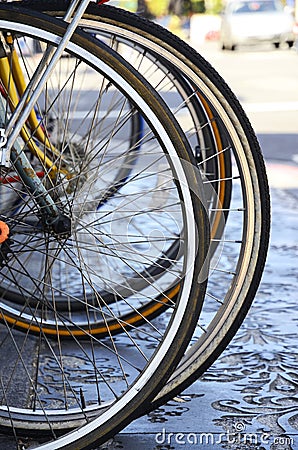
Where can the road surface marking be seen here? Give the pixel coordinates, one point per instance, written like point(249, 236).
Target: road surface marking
point(282, 176)
point(270, 106)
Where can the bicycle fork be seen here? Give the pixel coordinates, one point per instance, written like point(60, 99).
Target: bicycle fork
point(53, 218)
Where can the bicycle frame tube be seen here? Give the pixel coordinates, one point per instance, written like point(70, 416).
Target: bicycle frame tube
point(14, 83)
point(13, 152)
point(19, 80)
point(29, 176)
point(15, 127)
point(41, 76)
point(38, 78)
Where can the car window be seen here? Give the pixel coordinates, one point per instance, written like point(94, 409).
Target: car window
point(254, 6)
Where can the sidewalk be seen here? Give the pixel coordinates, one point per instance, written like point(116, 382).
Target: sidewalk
point(248, 400)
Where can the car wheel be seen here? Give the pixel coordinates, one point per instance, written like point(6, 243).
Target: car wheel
point(276, 44)
point(290, 44)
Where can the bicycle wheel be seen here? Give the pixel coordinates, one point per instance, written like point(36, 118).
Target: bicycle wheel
point(67, 135)
point(240, 252)
point(65, 384)
point(137, 281)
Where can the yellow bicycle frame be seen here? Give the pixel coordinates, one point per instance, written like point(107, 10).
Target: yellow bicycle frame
point(13, 81)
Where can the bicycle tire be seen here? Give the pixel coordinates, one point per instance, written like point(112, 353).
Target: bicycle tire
point(162, 357)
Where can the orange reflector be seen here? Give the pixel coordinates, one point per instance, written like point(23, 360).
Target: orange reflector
point(4, 231)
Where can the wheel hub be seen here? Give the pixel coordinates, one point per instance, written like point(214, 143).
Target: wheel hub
point(61, 226)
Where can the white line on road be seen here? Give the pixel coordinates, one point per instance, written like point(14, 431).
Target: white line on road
point(270, 106)
point(282, 175)
point(248, 107)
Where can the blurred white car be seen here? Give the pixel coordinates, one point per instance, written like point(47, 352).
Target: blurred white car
point(252, 22)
